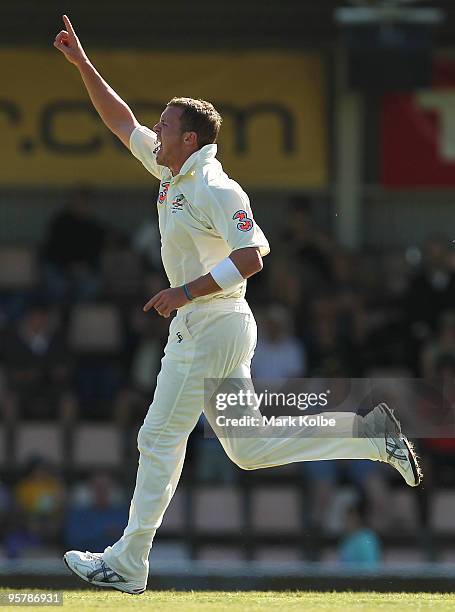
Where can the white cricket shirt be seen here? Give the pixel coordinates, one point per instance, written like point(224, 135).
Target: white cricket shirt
point(203, 214)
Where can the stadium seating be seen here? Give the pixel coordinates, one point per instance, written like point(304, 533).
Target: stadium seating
point(220, 553)
point(217, 509)
point(275, 509)
point(443, 512)
point(95, 328)
point(174, 519)
point(277, 554)
point(96, 446)
point(39, 439)
point(18, 268)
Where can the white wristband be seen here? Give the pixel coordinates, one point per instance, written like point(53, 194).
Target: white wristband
point(226, 274)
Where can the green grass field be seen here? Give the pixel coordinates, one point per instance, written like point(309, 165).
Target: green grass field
point(250, 601)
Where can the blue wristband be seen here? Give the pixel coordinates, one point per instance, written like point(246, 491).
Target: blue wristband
point(187, 293)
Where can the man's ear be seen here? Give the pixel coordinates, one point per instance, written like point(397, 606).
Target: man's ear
point(190, 138)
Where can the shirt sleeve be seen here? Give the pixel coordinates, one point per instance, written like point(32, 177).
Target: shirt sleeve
point(231, 216)
point(143, 145)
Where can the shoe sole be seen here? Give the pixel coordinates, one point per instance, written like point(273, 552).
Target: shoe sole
point(413, 459)
point(99, 584)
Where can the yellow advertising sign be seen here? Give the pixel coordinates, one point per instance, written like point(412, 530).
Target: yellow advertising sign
point(273, 133)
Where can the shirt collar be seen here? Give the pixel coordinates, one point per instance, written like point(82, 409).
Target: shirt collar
point(198, 157)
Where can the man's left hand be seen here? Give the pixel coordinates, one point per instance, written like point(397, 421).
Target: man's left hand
point(167, 301)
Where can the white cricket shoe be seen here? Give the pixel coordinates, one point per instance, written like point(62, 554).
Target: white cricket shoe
point(91, 568)
point(384, 430)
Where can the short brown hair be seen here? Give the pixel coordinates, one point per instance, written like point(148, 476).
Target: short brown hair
point(199, 116)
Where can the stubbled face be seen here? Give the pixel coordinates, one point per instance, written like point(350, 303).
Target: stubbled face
point(170, 136)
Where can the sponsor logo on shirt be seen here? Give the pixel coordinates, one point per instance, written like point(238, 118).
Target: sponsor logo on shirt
point(164, 188)
point(178, 202)
point(244, 222)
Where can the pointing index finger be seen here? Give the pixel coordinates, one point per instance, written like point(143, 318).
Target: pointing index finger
point(69, 27)
point(151, 302)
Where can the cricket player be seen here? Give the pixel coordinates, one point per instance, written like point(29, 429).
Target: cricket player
point(210, 245)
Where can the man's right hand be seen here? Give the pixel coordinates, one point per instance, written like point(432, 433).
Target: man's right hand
point(68, 43)
point(114, 111)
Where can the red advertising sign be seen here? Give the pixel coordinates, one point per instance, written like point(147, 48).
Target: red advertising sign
point(418, 134)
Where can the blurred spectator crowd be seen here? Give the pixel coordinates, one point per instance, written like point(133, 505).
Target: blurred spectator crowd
point(75, 345)
point(41, 513)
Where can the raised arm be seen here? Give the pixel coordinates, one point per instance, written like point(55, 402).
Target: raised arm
point(114, 112)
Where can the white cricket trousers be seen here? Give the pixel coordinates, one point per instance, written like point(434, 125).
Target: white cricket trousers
point(215, 340)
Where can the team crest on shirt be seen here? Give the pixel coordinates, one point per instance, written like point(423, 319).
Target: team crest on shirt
point(244, 222)
point(178, 202)
point(163, 191)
